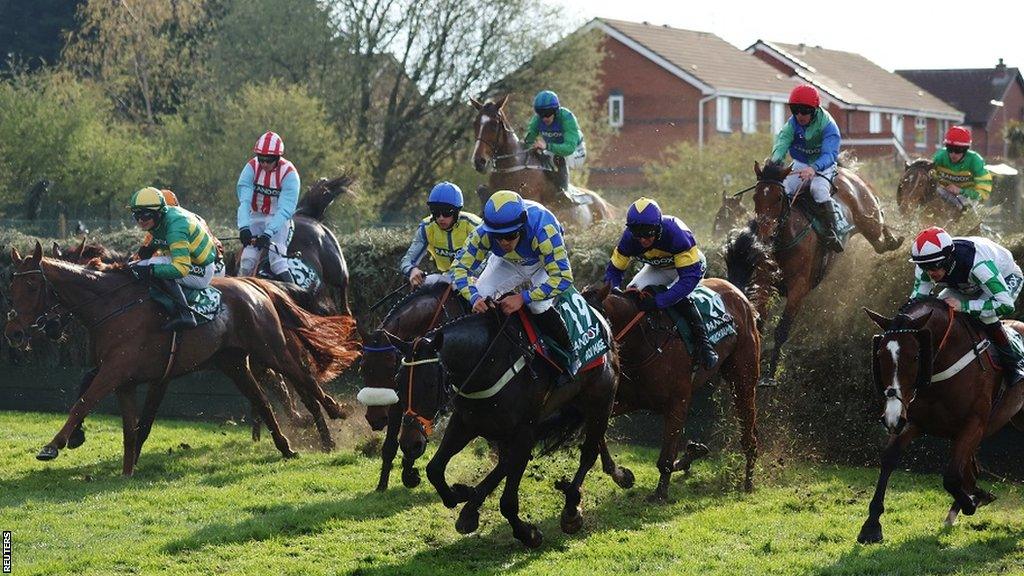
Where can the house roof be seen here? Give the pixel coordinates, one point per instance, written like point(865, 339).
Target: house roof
point(855, 81)
point(700, 58)
point(969, 89)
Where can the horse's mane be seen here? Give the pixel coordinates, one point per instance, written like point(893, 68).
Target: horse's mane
point(848, 160)
point(772, 171)
point(921, 163)
point(903, 317)
point(435, 289)
point(97, 263)
point(321, 194)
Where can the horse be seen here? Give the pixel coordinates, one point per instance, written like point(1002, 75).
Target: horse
point(800, 255)
point(730, 214)
point(521, 170)
point(918, 189)
point(259, 322)
point(500, 393)
point(962, 402)
point(658, 374)
point(411, 317)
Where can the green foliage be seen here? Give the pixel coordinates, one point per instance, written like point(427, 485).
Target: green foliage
point(689, 182)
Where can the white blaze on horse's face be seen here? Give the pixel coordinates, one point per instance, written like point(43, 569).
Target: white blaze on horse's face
point(893, 397)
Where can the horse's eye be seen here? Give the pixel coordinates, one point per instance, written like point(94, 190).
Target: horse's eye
point(12, 314)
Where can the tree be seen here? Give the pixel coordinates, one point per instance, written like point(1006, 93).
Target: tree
point(33, 32)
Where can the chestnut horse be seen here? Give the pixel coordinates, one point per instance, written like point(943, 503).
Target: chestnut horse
point(932, 367)
point(500, 393)
point(259, 322)
point(411, 317)
point(659, 375)
point(521, 170)
point(918, 190)
point(800, 255)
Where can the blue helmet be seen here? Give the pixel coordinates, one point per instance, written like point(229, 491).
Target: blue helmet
point(644, 218)
point(504, 212)
point(545, 101)
point(445, 193)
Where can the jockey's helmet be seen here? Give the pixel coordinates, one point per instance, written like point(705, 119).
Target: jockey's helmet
point(804, 95)
point(545, 103)
point(147, 203)
point(958, 136)
point(933, 248)
point(504, 212)
point(170, 198)
point(270, 144)
point(445, 193)
point(643, 219)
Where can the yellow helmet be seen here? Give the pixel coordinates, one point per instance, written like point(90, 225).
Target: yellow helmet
point(148, 198)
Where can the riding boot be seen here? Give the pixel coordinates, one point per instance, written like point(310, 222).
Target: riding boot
point(285, 276)
point(1012, 362)
point(185, 318)
point(563, 174)
point(551, 324)
point(826, 215)
point(705, 351)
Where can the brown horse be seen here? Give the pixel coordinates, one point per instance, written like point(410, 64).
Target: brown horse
point(659, 375)
point(918, 190)
point(800, 254)
point(259, 322)
point(514, 168)
point(731, 214)
point(411, 317)
point(937, 379)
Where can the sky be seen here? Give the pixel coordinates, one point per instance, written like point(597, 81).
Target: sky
point(896, 34)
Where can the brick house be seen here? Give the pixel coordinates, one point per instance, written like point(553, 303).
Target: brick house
point(663, 86)
point(878, 112)
point(989, 97)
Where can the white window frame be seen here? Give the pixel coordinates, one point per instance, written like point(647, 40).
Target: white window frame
point(941, 134)
point(722, 114)
point(778, 116)
point(616, 101)
point(896, 125)
point(749, 116)
point(874, 122)
point(920, 132)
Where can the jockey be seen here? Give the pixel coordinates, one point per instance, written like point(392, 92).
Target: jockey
point(190, 262)
point(812, 139)
point(524, 240)
point(978, 277)
point(960, 171)
point(553, 129)
point(268, 191)
point(669, 252)
point(441, 235)
point(149, 247)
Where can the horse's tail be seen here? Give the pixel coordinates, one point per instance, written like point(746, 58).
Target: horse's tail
point(751, 268)
point(326, 340)
point(560, 428)
point(320, 195)
point(304, 297)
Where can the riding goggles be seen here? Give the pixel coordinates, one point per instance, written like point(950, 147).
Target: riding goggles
point(144, 214)
point(801, 109)
point(933, 265)
point(443, 212)
point(506, 236)
point(644, 230)
point(545, 112)
point(954, 149)
point(264, 159)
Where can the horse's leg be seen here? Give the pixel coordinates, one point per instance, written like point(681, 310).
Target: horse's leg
point(236, 367)
point(981, 496)
point(456, 436)
point(306, 386)
point(597, 414)
point(77, 437)
point(109, 378)
point(518, 458)
point(871, 531)
point(126, 398)
point(469, 516)
point(794, 298)
point(672, 431)
point(388, 451)
point(960, 468)
point(742, 372)
point(155, 393)
point(275, 382)
point(620, 474)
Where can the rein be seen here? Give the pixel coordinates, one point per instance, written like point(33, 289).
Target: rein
point(44, 317)
point(495, 157)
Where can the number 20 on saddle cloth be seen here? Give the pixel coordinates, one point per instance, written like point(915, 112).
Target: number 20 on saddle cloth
point(718, 323)
point(588, 333)
point(204, 303)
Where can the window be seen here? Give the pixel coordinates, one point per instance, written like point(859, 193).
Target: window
point(875, 122)
point(897, 127)
point(778, 116)
point(615, 110)
point(749, 116)
point(941, 134)
point(722, 114)
point(920, 132)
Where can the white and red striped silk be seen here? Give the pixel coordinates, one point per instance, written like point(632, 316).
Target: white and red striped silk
point(267, 184)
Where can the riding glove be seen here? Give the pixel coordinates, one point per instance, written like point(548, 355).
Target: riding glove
point(263, 241)
point(245, 236)
point(146, 252)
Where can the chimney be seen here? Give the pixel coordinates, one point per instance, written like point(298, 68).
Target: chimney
point(1000, 66)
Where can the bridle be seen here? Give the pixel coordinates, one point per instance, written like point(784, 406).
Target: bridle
point(493, 146)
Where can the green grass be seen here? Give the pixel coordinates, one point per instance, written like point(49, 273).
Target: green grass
point(207, 500)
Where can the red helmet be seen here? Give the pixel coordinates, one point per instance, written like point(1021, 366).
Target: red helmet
point(806, 95)
point(958, 136)
point(270, 144)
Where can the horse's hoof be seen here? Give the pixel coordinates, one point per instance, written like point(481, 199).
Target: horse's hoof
point(572, 522)
point(870, 533)
point(328, 446)
point(983, 497)
point(76, 439)
point(694, 451)
point(468, 522)
point(289, 454)
point(625, 478)
point(381, 486)
point(411, 479)
point(533, 537)
point(47, 453)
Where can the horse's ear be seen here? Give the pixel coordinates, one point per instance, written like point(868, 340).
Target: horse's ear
point(786, 170)
point(55, 251)
point(757, 169)
point(37, 252)
point(476, 103)
point(502, 102)
point(918, 323)
point(723, 196)
point(906, 164)
point(404, 347)
point(878, 319)
point(15, 255)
